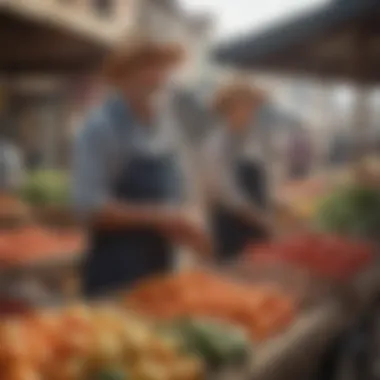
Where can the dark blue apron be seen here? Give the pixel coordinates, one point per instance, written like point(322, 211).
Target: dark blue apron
point(230, 232)
point(119, 258)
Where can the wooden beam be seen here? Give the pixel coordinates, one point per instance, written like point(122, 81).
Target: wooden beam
point(29, 47)
point(358, 68)
point(67, 18)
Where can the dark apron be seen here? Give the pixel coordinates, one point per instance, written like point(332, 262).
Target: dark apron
point(118, 258)
point(230, 232)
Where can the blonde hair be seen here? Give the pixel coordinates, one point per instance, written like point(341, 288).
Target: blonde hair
point(235, 91)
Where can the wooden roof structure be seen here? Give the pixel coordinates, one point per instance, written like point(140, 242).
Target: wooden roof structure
point(38, 36)
point(339, 40)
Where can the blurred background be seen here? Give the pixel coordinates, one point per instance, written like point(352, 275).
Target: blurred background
point(51, 51)
point(316, 60)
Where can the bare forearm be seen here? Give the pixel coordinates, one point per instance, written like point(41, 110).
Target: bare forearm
point(251, 213)
point(169, 220)
point(116, 215)
point(248, 212)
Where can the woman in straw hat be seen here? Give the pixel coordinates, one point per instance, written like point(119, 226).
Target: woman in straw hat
point(127, 181)
point(234, 170)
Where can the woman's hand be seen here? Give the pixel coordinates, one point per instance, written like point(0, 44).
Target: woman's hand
point(185, 228)
point(259, 219)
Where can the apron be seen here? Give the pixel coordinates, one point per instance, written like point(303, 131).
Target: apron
point(231, 233)
point(118, 258)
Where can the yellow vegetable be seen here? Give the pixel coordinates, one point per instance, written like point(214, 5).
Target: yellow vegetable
point(150, 371)
point(107, 347)
point(187, 369)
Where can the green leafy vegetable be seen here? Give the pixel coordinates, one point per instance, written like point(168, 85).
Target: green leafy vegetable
point(353, 211)
point(219, 344)
point(46, 187)
point(110, 374)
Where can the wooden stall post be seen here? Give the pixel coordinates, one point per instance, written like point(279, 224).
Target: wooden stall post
point(359, 67)
point(361, 122)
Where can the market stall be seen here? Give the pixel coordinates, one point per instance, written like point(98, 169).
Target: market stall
point(41, 244)
point(289, 297)
point(44, 46)
point(300, 199)
point(268, 317)
point(333, 42)
point(56, 42)
point(258, 329)
point(336, 41)
point(39, 264)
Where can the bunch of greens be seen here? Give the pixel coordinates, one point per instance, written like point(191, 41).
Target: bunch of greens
point(218, 344)
point(110, 374)
point(353, 211)
point(46, 188)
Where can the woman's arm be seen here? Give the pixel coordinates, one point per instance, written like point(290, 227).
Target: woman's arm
point(231, 197)
point(221, 186)
point(93, 180)
point(94, 202)
point(194, 201)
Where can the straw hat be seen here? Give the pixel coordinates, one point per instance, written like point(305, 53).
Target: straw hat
point(235, 91)
point(138, 51)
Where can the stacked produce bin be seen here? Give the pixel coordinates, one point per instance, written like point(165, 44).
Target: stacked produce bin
point(40, 243)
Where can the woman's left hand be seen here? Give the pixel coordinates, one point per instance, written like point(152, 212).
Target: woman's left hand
point(189, 230)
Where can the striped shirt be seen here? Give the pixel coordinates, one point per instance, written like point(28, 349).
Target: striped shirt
point(109, 138)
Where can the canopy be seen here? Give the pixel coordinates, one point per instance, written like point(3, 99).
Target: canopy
point(340, 39)
point(31, 45)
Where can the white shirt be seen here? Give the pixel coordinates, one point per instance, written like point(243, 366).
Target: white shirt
point(221, 150)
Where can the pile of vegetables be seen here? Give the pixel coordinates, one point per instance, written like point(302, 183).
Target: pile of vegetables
point(27, 244)
point(328, 256)
point(262, 311)
point(219, 344)
point(353, 211)
point(303, 197)
point(84, 343)
point(12, 209)
point(313, 186)
point(46, 188)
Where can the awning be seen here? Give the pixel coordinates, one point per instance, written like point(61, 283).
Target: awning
point(32, 42)
point(326, 41)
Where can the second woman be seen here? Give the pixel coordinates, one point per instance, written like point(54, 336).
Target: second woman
point(234, 172)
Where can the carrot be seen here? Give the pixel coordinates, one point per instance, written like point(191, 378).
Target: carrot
point(261, 310)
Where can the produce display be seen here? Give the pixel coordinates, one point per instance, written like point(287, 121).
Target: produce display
point(12, 209)
point(352, 210)
point(219, 344)
point(314, 186)
point(261, 310)
point(46, 188)
point(31, 243)
point(328, 256)
point(371, 166)
point(86, 343)
point(301, 198)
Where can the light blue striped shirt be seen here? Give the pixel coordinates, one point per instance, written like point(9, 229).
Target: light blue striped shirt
point(110, 135)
